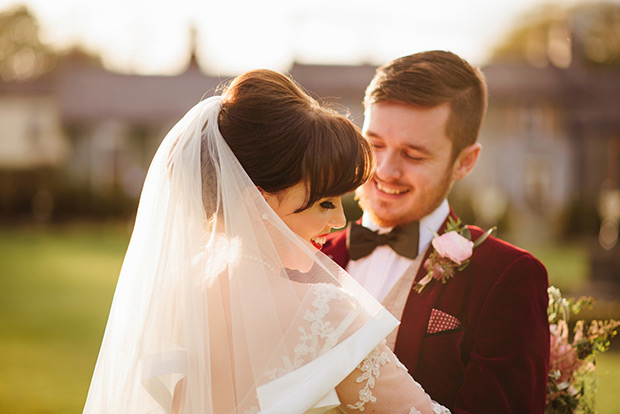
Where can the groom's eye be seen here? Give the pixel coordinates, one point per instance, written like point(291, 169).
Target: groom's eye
point(328, 205)
point(412, 157)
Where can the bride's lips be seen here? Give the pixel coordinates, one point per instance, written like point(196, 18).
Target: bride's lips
point(319, 241)
point(391, 191)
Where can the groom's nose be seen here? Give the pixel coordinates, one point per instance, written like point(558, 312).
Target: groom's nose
point(388, 165)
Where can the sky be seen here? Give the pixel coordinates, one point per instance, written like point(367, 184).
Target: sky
point(153, 36)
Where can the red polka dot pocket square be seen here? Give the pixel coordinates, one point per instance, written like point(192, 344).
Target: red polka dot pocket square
point(441, 321)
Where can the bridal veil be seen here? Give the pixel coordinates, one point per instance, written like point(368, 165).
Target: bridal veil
point(219, 307)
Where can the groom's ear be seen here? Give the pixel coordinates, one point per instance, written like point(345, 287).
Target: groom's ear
point(466, 161)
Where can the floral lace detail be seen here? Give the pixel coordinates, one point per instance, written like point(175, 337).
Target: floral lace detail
point(309, 346)
point(370, 368)
point(438, 408)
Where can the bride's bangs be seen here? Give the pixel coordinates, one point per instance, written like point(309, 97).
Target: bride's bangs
point(337, 161)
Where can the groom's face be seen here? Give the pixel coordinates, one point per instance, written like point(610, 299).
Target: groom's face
point(414, 163)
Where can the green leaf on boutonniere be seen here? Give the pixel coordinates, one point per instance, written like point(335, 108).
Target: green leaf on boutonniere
point(457, 226)
point(463, 266)
point(465, 233)
point(482, 238)
point(453, 225)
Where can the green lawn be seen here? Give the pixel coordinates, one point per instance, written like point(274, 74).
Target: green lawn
point(608, 372)
point(56, 287)
point(55, 292)
point(567, 265)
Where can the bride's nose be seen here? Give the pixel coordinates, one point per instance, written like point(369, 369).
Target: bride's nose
point(337, 218)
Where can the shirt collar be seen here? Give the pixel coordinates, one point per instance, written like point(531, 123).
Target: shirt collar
point(429, 224)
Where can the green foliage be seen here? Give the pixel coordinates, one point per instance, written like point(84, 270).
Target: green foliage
point(530, 33)
point(592, 26)
point(22, 54)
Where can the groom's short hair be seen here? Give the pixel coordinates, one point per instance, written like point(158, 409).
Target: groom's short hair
point(432, 78)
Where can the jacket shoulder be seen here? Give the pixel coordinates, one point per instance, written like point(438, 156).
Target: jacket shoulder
point(500, 253)
point(499, 245)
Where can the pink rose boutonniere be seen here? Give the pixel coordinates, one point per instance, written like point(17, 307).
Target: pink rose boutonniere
point(452, 251)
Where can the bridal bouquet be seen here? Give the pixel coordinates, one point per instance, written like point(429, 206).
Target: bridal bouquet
point(571, 385)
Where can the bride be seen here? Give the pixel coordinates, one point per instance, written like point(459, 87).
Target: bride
point(224, 303)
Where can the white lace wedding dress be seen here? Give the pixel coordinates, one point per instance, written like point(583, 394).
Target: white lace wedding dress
point(379, 384)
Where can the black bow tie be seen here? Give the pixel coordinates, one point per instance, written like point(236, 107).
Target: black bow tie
point(402, 239)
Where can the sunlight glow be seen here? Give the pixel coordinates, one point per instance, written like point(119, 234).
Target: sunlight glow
point(153, 37)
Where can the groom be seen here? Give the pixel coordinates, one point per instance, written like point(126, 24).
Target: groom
point(480, 342)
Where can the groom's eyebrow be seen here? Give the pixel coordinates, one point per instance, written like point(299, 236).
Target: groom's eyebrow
point(419, 148)
point(369, 134)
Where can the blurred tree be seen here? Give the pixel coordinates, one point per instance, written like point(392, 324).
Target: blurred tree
point(560, 35)
point(22, 54)
point(599, 31)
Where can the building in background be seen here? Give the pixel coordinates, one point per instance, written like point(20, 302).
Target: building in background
point(552, 133)
point(551, 136)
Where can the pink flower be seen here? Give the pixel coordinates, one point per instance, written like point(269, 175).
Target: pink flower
point(563, 355)
point(437, 271)
point(453, 246)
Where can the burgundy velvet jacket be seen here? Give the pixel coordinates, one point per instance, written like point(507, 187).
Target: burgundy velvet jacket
point(497, 360)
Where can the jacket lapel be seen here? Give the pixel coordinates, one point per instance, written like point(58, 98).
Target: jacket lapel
point(417, 313)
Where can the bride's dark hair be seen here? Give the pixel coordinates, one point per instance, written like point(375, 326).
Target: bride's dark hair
point(282, 136)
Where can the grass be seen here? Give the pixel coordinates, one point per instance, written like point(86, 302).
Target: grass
point(567, 265)
point(55, 292)
point(56, 287)
point(608, 372)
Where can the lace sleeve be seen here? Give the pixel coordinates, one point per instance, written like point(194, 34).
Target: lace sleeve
point(380, 383)
point(439, 409)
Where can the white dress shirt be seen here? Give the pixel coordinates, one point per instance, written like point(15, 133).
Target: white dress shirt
point(380, 270)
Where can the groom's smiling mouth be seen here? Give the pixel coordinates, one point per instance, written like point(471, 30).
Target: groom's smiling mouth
point(389, 190)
